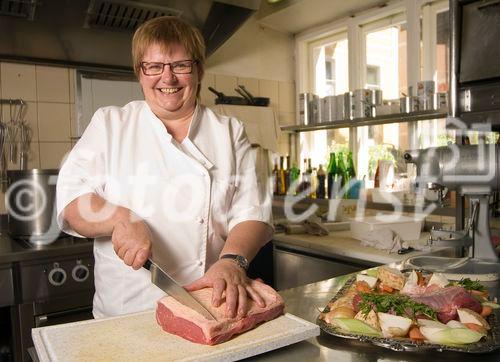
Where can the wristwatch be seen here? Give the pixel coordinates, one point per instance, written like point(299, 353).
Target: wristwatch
point(240, 260)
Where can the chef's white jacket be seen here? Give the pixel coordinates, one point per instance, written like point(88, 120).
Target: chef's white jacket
point(190, 194)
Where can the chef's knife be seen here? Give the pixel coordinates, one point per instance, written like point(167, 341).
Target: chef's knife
point(163, 281)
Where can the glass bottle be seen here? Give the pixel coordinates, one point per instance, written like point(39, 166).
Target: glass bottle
point(287, 174)
point(320, 190)
point(306, 178)
point(281, 177)
point(294, 177)
point(331, 171)
point(354, 185)
point(309, 172)
point(314, 182)
point(376, 179)
point(341, 170)
point(275, 178)
point(351, 170)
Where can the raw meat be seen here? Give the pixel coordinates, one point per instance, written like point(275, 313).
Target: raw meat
point(446, 301)
point(181, 320)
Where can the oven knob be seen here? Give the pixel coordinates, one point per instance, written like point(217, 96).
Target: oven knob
point(57, 276)
point(80, 273)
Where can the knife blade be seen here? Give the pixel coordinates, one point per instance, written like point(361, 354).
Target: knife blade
point(165, 282)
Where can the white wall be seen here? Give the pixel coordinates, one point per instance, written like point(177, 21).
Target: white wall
point(255, 52)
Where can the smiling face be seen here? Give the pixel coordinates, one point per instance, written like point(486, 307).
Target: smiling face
point(170, 96)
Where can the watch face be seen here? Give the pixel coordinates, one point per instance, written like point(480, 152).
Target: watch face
point(240, 260)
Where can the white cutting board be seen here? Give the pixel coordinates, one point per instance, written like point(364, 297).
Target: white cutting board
point(138, 337)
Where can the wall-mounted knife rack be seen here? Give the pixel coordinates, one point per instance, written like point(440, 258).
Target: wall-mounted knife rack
point(12, 101)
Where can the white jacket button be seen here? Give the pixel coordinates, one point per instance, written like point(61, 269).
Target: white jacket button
point(200, 220)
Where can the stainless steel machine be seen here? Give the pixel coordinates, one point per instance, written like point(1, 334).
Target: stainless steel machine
point(471, 170)
point(474, 172)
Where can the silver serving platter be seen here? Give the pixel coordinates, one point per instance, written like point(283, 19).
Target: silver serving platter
point(487, 344)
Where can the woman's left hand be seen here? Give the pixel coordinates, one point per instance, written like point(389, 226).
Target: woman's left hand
point(225, 277)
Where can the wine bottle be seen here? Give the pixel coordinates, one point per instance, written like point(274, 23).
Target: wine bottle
point(275, 178)
point(341, 170)
point(281, 177)
point(287, 174)
point(294, 177)
point(350, 166)
point(331, 174)
point(312, 179)
point(321, 175)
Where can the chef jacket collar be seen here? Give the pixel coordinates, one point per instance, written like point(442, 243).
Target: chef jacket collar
point(193, 129)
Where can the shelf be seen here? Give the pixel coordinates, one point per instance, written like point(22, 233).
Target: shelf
point(359, 122)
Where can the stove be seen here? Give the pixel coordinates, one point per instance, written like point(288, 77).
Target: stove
point(38, 243)
point(56, 287)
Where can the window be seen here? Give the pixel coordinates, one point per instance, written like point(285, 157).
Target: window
point(385, 56)
point(385, 50)
point(330, 65)
point(442, 50)
point(435, 63)
point(388, 49)
point(329, 76)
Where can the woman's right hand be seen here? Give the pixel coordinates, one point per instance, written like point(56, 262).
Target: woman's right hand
point(132, 242)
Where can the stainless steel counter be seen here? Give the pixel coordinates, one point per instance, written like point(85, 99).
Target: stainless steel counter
point(307, 300)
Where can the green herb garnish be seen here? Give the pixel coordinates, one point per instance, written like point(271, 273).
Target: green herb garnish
point(468, 284)
point(398, 304)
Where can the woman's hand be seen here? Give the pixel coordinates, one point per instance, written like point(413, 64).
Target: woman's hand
point(132, 242)
point(229, 280)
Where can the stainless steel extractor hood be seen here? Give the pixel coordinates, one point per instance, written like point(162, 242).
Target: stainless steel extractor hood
point(98, 33)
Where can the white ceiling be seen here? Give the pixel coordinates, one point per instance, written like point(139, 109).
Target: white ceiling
point(294, 16)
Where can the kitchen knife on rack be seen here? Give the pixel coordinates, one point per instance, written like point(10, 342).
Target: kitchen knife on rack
point(165, 282)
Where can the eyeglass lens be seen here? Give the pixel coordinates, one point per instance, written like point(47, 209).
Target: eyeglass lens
point(180, 67)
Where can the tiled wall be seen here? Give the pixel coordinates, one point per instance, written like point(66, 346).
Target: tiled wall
point(50, 98)
point(282, 95)
point(48, 93)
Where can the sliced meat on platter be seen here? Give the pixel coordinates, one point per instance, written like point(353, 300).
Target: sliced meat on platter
point(447, 300)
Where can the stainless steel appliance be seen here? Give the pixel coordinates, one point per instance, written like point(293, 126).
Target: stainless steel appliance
point(474, 171)
point(297, 266)
point(6, 285)
point(6, 301)
point(98, 33)
point(474, 66)
point(57, 287)
point(30, 202)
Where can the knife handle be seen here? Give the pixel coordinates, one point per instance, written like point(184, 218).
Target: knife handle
point(147, 265)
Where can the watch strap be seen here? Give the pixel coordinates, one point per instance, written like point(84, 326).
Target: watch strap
point(240, 260)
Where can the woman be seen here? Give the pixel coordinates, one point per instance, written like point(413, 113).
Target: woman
point(166, 178)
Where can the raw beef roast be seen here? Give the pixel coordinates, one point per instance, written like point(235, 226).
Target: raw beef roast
point(181, 320)
point(446, 301)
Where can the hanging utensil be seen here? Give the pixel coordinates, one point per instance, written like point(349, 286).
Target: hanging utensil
point(244, 95)
point(254, 101)
point(223, 99)
point(24, 142)
point(3, 133)
point(12, 130)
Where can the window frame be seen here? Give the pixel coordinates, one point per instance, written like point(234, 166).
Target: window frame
point(355, 27)
point(333, 38)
